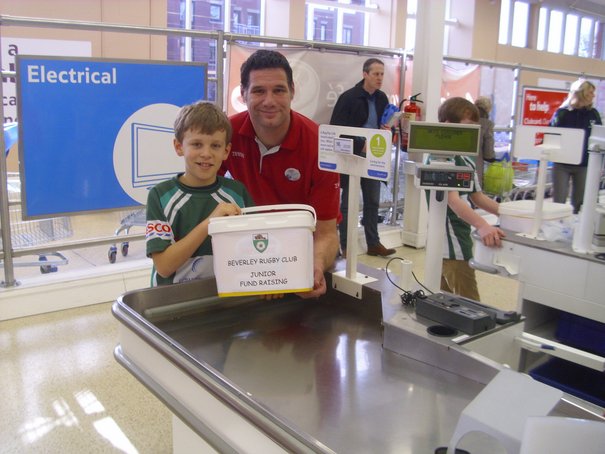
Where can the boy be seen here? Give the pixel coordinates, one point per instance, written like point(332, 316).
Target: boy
point(457, 276)
point(179, 209)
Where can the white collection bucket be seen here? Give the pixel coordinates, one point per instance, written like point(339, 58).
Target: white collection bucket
point(266, 250)
point(518, 215)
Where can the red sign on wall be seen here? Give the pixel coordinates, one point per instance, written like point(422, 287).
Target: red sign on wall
point(539, 105)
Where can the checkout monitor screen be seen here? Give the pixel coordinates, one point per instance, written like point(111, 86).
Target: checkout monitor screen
point(444, 139)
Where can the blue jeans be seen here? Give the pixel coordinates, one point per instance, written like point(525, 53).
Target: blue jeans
point(370, 191)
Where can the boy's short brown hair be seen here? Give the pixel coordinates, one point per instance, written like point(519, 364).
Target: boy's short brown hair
point(456, 109)
point(202, 116)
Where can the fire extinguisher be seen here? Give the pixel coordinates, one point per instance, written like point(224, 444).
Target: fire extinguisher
point(411, 112)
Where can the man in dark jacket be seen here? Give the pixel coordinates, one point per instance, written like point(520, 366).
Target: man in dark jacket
point(363, 106)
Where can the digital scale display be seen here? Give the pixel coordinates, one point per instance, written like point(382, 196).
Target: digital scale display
point(452, 178)
point(444, 139)
point(446, 179)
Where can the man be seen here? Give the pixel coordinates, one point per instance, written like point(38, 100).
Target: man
point(275, 152)
point(363, 106)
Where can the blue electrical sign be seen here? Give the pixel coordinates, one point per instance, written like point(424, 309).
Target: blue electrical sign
point(96, 134)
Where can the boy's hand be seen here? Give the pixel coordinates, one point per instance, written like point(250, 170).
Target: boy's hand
point(491, 235)
point(225, 209)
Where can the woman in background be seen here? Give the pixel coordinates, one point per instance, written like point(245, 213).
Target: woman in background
point(576, 111)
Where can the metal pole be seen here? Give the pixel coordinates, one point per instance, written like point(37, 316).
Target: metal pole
point(516, 106)
point(397, 130)
point(7, 245)
point(220, 69)
point(188, 26)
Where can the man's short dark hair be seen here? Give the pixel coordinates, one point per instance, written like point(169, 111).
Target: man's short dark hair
point(265, 59)
point(369, 62)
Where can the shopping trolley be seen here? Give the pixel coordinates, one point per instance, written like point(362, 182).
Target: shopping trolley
point(35, 232)
point(525, 179)
point(132, 219)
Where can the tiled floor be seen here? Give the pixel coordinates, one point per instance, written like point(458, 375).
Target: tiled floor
point(64, 393)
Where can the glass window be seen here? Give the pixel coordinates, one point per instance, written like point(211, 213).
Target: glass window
point(410, 33)
point(571, 34)
point(542, 29)
point(236, 17)
point(253, 18)
point(243, 15)
point(347, 34)
point(328, 23)
point(520, 24)
point(586, 36)
point(216, 13)
point(410, 24)
point(599, 40)
point(514, 21)
point(322, 32)
point(504, 22)
point(555, 31)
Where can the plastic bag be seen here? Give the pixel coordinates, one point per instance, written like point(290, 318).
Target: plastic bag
point(389, 115)
point(559, 229)
point(498, 178)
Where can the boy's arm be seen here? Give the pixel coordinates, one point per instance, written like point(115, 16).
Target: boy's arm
point(490, 235)
point(485, 203)
point(170, 259)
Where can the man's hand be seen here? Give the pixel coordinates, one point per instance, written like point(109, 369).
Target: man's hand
point(319, 285)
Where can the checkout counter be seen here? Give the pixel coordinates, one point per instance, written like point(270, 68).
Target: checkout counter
point(337, 374)
point(355, 371)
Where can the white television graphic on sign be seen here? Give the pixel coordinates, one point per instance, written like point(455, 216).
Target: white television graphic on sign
point(147, 170)
point(143, 152)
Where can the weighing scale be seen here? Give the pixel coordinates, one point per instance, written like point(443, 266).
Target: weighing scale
point(442, 141)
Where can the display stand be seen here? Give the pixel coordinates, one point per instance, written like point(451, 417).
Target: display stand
point(562, 145)
point(350, 281)
point(356, 152)
point(582, 239)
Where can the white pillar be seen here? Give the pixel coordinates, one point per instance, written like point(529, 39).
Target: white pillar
point(426, 79)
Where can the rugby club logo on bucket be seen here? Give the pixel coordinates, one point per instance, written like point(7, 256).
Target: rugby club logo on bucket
point(261, 241)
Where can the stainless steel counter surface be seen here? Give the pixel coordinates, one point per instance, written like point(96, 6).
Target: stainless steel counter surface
point(315, 370)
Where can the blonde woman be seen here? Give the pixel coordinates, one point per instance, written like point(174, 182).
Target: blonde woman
point(576, 111)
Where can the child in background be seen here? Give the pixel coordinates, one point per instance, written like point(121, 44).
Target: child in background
point(457, 276)
point(179, 209)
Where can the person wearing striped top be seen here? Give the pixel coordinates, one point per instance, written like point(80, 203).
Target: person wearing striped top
point(179, 209)
point(457, 276)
